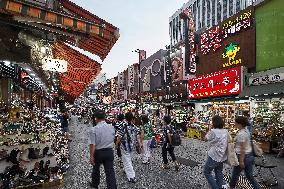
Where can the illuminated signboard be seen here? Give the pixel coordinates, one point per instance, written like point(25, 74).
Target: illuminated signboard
point(229, 44)
point(222, 83)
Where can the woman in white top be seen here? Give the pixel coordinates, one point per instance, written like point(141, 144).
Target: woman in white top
point(218, 138)
point(244, 153)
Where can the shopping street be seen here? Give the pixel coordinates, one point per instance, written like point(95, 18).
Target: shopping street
point(78, 76)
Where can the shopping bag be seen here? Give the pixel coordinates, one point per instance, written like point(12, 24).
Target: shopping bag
point(256, 150)
point(231, 153)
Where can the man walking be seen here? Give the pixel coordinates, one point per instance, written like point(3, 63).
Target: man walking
point(128, 136)
point(101, 150)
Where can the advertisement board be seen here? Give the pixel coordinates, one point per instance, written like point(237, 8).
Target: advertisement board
point(269, 35)
point(229, 44)
point(222, 83)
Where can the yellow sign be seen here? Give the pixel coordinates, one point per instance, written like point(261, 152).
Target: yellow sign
point(231, 53)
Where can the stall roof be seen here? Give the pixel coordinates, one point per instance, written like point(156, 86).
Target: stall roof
point(86, 30)
point(81, 69)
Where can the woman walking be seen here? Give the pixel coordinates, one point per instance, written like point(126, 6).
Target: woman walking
point(244, 153)
point(218, 138)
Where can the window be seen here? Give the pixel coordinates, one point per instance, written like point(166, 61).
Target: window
point(238, 5)
point(174, 30)
point(225, 16)
point(208, 13)
point(177, 26)
point(219, 9)
point(213, 12)
point(231, 7)
point(203, 13)
point(194, 12)
point(170, 32)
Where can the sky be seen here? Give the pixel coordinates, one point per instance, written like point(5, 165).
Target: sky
point(143, 24)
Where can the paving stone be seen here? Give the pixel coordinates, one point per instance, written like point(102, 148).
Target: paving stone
point(149, 176)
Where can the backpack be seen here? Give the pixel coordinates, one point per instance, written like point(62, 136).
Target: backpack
point(176, 139)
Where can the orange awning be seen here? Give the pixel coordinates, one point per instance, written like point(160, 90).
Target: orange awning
point(81, 69)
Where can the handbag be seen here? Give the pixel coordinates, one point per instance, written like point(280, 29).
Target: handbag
point(256, 150)
point(232, 158)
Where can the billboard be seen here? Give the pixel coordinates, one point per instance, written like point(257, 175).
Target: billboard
point(269, 35)
point(229, 44)
point(222, 83)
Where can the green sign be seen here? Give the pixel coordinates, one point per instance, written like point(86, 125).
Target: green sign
point(269, 35)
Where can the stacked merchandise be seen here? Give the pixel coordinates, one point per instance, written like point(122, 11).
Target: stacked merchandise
point(200, 123)
point(33, 150)
point(269, 123)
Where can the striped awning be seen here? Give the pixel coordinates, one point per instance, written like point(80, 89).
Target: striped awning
point(81, 70)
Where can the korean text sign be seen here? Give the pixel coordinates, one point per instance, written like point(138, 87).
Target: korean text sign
point(222, 83)
point(229, 44)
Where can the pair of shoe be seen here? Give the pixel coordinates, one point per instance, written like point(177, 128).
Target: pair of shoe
point(146, 162)
point(177, 167)
point(132, 180)
point(165, 166)
point(93, 186)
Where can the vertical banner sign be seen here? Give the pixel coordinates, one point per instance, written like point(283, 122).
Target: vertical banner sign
point(142, 55)
point(222, 83)
point(113, 86)
point(190, 44)
point(130, 78)
point(120, 81)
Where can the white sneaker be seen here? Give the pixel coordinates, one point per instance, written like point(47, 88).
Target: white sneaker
point(225, 186)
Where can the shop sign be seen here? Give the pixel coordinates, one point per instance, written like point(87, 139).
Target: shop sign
point(6, 69)
point(232, 40)
point(55, 65)
point(120, 81)
point(131, 76)
point(266, 79)
point(222, 83)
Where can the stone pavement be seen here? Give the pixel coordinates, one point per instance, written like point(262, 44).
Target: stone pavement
point(149, 176)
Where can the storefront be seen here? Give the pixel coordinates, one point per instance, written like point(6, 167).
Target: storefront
point(266, 92)
point(216, 94)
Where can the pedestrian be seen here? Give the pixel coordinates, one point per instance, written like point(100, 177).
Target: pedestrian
point(146, 136)
point(64, 121)
point(250, 122)
point(128, 136)
point(118, 127)
point(244, 152)
point(101, 150)
point(167, 145)
point(217, 154)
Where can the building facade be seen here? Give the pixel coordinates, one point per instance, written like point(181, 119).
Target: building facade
point(206, 13)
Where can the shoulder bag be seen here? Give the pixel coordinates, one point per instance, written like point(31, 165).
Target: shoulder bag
point(232, 158)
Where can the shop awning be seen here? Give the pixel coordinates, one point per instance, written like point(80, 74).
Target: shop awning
point(260, 90)
point(81, 70)
point(109, 36)
point(85, 30)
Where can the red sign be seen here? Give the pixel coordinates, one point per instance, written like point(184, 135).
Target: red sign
point(222, 83)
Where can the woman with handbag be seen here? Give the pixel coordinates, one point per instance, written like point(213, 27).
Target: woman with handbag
point(218, 138)
point(245, 154)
